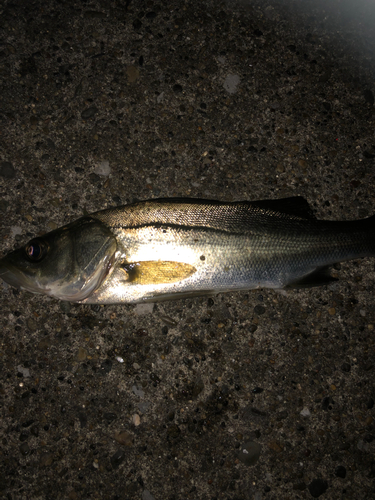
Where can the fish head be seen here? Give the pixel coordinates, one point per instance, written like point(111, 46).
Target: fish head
point(68, 263)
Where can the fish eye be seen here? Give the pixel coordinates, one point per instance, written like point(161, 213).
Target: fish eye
point(36, 250)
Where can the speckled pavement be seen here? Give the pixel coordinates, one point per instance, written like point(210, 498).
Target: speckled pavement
point(242, 396)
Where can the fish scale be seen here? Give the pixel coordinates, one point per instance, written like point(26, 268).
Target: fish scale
point(170, 248)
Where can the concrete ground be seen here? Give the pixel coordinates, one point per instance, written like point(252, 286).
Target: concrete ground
point(243, 396)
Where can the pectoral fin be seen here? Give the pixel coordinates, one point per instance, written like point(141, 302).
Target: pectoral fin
point(156, 272)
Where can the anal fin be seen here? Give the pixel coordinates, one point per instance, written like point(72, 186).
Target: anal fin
point(319, 277)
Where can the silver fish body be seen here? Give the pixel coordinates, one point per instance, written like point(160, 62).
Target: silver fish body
point(164, 249)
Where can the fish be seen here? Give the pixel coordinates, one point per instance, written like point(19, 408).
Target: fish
point(164, 249)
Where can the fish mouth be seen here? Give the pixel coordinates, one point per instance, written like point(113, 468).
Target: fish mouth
point(15, 277)
point(74, 291)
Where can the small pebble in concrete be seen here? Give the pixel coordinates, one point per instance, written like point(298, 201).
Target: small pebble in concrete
point(231, 83)
point(317, 487)
point(103, 169)
point(7, 170)
point(249, 453)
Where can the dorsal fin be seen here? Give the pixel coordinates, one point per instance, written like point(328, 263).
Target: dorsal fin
point(296, 206)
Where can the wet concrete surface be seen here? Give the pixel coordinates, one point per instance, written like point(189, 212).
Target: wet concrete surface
point(241, 396)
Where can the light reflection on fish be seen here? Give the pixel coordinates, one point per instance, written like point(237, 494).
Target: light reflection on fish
point(171, 248)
